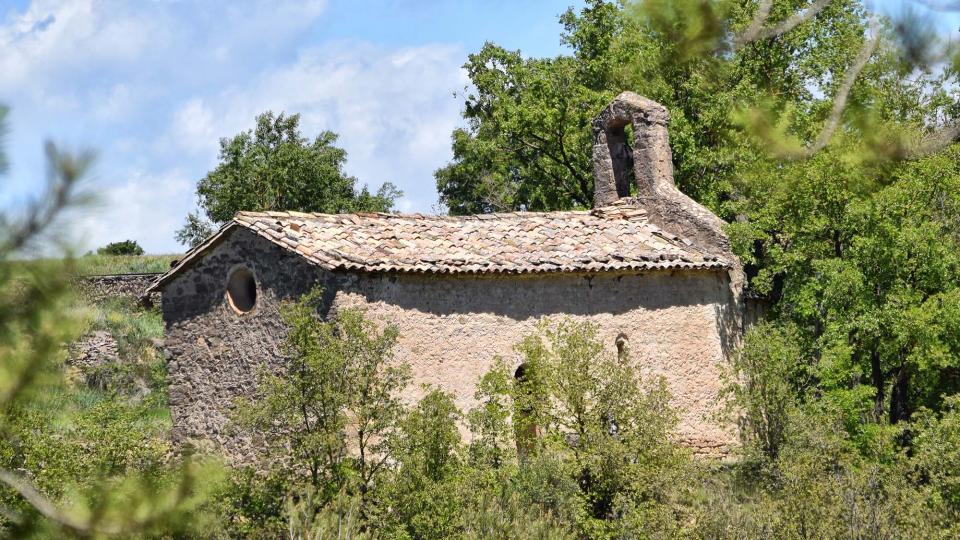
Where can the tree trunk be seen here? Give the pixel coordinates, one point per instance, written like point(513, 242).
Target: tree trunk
point(899, 396)
point(879, 383)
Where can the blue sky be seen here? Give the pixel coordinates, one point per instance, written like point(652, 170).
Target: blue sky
point(152, 85)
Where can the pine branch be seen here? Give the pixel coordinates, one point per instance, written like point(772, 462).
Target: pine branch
point(65, 173)
point(48, 509)
point(843, 92)
point(756, 32)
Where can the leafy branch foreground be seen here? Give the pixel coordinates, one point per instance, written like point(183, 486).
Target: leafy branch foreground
point(849, 404)
point(91, 474)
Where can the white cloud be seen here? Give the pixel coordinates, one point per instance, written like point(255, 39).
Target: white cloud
point(56, 36)
point(155, 85)
point(193, 128)
point(119, 102)
point(394, 109)
point(53, 39)
point(147, 208)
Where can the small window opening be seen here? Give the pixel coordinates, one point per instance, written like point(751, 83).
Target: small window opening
point(242, 290)
point(526, 429)
point(622, 346)
point(521, 373)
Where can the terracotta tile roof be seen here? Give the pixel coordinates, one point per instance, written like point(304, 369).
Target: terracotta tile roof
point(611, 238)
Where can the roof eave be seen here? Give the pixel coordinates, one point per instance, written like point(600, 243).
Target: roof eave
point(196, 252)
point(190, 257)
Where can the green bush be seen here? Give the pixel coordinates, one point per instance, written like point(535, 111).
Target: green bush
point(935, 459)
point(249, 504)
point(594, 458)
point(98, 458)
point(127, 247)
point(580, 447)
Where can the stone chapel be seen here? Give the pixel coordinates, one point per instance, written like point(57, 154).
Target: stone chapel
point(652, 269)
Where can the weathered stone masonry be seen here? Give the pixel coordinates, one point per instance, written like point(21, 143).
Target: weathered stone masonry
point(214, 353)
point(656, 268)
point(451, 330)
point(99, 288)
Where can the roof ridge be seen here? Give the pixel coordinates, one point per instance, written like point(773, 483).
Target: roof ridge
point(614, 238)
point(615, 212)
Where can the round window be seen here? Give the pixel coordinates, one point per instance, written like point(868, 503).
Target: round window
point(242, 290)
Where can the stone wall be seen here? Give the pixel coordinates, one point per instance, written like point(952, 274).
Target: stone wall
point(99, 288)
point(93, 350)
point(213, 352)
point(452, 328)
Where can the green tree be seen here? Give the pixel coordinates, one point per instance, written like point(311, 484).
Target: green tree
point(194, 231)
point(844, 216)
point(936, 456)
point(607, 430)
point(127, 247)
point(424, 499)
point(823, 484)
point(492, 442)
point(870, 279)
point(274, 167)
point(528, 126)
point(528, 139)
point(767, 376)
point(335, 405)
point(600, 461)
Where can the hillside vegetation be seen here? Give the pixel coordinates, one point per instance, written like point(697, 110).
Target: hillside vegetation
point(98, 265)
point(825, 136)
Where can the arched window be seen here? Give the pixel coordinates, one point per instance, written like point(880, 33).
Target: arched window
point(623, 349)
point(242, 290)
point(525, 426)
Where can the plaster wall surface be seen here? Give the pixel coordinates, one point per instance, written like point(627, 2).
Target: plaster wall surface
point(452, 329)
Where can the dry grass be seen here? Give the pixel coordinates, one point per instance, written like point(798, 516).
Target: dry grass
point(93, 265)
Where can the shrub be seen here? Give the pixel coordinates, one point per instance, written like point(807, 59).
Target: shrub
point(127, 247)
point(339, 374)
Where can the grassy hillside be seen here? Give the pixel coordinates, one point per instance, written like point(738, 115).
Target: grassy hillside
point(93, 265)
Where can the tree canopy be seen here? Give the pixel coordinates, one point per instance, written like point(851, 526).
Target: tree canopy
point(275, 167)
point(527, 142)
point(820, 131)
